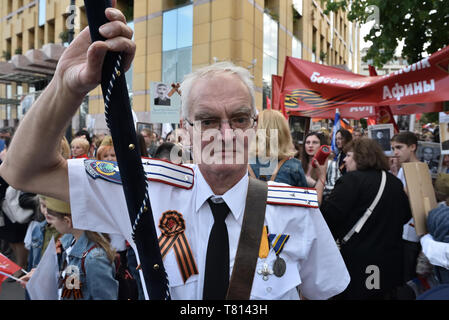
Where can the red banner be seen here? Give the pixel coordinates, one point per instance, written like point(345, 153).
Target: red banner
point(370, 111)
point(312, 89)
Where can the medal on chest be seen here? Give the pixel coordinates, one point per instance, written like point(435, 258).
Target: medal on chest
point(277, 242)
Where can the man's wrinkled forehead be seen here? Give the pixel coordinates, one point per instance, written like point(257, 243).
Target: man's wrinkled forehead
point(220, 88)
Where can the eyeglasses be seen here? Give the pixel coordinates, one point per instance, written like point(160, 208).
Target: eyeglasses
point(242, 122)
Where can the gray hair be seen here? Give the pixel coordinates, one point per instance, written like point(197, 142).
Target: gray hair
point(211, 70)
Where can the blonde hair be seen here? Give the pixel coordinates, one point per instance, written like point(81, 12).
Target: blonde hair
point(102, 240)
point(65, 148)
point(83, 142)
point(269, 120)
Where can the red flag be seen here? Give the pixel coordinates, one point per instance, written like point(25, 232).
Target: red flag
point(384, 115)
point(371, 121)
point(268, 103)
point(8, 267)
point(282, 106)
point(372, 71)
point(275, 91)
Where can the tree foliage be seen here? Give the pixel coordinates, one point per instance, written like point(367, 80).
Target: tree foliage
point(422, 24)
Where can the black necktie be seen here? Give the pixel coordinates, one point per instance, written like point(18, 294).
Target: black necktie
point(216, 277)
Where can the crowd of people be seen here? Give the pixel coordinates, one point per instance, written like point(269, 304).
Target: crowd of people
point(346, 184)
point(339, 229)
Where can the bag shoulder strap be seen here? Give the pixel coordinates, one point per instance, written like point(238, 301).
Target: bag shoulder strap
point(251, 172)
point(83, 258)
point(275, 173)
point(242, 276)
point(358, 226)
point(273, 176)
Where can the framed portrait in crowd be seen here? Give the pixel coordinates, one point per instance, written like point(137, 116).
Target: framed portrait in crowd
point(143, 125)
point(299, 126)
point(429, 153)
point(444, 132)
point(382, 133)
point(165, 103)
point(403, 122)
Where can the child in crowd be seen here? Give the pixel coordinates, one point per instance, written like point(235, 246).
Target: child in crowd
point(87, 259)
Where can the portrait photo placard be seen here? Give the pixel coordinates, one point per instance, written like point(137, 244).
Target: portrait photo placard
point(165, 103)
point(382, 133)
point(429, 153)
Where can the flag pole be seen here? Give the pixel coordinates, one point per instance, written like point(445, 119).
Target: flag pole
point(11, 276)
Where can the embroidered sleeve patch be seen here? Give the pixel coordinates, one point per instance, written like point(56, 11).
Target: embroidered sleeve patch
point(107, 170)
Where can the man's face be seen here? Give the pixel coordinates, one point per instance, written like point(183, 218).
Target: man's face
point(402, 151)
point(221, 97)
point(380, 135)
point(427, 154)
point(161, 89)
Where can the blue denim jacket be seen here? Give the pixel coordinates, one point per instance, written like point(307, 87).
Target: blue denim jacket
point(290, 173)
point(37, 241)
point(98, 283)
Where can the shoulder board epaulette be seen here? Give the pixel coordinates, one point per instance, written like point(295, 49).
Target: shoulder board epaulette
point(169, 173)
point(282, 194)
point(155, 170)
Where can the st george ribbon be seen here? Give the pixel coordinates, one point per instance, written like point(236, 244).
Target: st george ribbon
point(121, 125)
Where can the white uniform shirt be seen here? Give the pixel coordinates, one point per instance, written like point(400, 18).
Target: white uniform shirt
point(313, 260)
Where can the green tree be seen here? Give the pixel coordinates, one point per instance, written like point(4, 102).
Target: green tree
point(422, 24)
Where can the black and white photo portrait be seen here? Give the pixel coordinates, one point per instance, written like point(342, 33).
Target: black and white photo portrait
point(161, 95)
point(382, 133)
point(429, 153)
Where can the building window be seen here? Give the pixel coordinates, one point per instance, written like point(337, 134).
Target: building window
point(42, 12)
point(177, 38)
point(270, 54)
point(296, 48)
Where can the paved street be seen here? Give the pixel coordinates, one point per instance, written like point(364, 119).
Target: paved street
point(12, 291)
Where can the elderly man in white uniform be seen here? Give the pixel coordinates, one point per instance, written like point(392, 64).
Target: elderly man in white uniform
point(221, 97)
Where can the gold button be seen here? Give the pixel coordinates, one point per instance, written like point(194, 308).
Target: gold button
point(145, 209)
point(118, 73)
point(131, 146)
point(156, 267)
